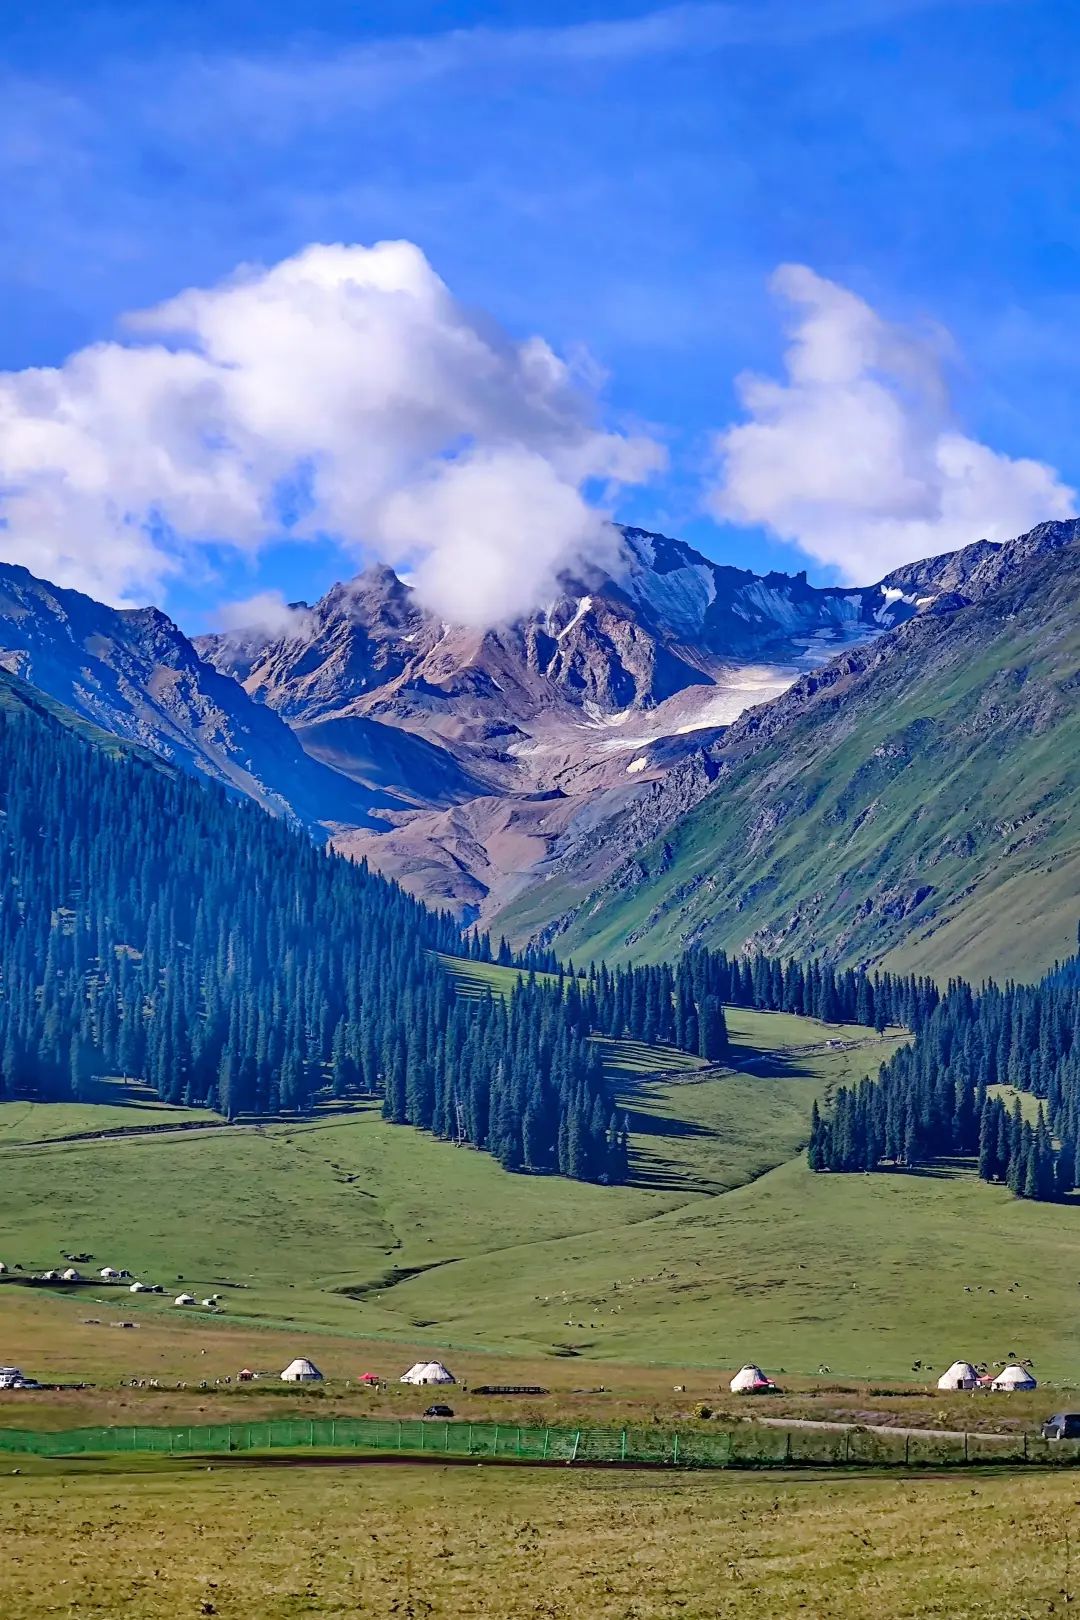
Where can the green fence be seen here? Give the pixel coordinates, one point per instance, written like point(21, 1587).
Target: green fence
point(750, 1446)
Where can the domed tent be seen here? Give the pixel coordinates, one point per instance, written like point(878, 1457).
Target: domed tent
point(109, 1274)
point(428, 1372)
point(184, 1299)
point(1011, 1378)
point(961, 1375)
point(750, 1380)
point(301, 1371)
point(71, 1275)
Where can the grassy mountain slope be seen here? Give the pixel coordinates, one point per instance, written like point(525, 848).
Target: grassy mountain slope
point(918, 805)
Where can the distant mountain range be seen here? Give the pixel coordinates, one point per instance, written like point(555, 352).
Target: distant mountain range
point(552, 772)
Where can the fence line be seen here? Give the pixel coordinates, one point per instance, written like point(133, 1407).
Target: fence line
point(745, 1447)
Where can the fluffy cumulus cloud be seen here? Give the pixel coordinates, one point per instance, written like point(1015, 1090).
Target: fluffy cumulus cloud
point(343, 392)
point(855, 457)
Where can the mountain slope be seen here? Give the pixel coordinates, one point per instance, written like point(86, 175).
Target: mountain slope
point(156, 928)
point(669, 620)
point(917, 801)
point(134, 674)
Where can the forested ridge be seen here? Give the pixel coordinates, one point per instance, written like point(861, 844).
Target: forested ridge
point(936, 1097)
point(159, 929)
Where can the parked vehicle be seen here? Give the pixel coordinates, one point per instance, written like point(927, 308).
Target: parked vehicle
point(1062, 1426)
point(438, 1410)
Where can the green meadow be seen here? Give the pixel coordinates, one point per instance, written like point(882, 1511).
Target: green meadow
point(723, 1247)
point(344, 1224)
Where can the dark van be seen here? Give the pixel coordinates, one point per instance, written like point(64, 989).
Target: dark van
point(1062, 1426)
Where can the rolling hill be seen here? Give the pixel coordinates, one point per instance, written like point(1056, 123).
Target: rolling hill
point(722, 1247)
point(915, 803)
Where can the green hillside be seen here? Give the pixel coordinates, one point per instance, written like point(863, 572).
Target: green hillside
point(724, 1247)
point(920, 811)
point(349, 1224)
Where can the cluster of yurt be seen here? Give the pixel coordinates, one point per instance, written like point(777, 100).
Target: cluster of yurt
point(301, 1371)
point(964, 1375)
point(750, 1380)
point(427, 1372)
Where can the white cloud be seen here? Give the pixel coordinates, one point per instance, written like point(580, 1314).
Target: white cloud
point(346, 382)
point(267, 613)
point(854, 458)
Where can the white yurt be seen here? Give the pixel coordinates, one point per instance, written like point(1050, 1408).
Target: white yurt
point(749, 1380)
point(50, 1276)
point(301, 1371)
point(71, 1275)
point(1010, 1378)
point(3, 1268)
point(184, 1299)
point(961, 1375)
point(109, 1274)
point(138, 1288)
point(428, 1372)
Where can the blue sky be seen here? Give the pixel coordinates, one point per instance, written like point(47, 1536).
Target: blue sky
point(618, 178)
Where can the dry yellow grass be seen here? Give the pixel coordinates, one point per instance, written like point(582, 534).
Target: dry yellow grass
point(244, 1543)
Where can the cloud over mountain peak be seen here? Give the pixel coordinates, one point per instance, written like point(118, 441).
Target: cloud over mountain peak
point(341, 392)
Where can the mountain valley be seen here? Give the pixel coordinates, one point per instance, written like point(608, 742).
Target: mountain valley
point(630, 770)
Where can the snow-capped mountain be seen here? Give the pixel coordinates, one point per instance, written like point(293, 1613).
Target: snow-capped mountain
point(612, 644)
point(511, 736)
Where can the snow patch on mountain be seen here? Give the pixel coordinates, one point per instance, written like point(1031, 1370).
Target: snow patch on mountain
point(584, 606)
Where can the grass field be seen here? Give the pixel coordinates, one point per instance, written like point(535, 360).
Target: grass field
point(341, 1235)
point(238, 1542)
point(346, 1225)
point(117, 1105)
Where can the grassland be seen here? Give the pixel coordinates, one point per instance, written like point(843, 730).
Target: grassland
point(366, 1244)
point(243, 1541)
point(123, 1108)
point(347, 1226)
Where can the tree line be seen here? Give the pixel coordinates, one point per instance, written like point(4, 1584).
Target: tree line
point(935, 1098)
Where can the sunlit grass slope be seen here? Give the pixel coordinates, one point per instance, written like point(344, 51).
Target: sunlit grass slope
point(350, 1225)
point(922, 813)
